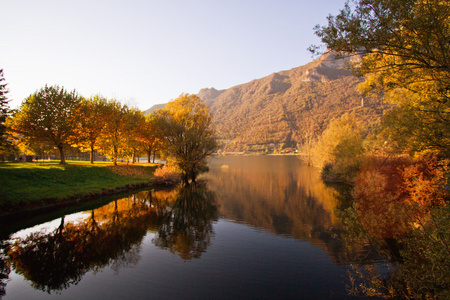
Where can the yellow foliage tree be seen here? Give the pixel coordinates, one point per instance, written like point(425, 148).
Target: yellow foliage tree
point(339, 150)
point(150, 141)
point(113, 137)
point(92, 118)
point(184, 125)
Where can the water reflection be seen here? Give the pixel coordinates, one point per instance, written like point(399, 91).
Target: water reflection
point(111, 236)
point(187, 228)
point(4, 269)
point(279, 194)
point(293, 212)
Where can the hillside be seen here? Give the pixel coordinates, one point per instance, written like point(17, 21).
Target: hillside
point(153, 108)
point(288, 108)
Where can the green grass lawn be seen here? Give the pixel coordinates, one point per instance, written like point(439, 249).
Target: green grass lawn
point(26, 182)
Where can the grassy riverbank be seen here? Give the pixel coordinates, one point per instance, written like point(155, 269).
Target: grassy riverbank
point(33, 182)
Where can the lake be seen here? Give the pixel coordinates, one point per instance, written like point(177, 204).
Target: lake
point(261, 227)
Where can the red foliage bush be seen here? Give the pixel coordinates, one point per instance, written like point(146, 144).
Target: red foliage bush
point(394, 194)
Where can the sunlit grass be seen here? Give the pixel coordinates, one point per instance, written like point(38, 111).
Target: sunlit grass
point(25, 182)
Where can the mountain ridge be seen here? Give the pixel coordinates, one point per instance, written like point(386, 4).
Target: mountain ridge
point(288, 107)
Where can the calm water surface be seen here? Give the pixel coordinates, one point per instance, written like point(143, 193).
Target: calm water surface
point(262, 228)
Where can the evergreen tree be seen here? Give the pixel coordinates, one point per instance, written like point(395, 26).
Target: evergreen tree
point(4, 109)
point(6, 147)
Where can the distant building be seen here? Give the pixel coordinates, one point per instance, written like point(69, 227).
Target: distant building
point(288, 150)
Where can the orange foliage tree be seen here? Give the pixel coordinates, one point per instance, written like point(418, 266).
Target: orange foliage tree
point(91, 120)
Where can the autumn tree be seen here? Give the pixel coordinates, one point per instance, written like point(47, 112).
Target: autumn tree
point(48, 116)
point(184, 125)
point(91, 119)
point(151, 141)
point(406, 57)
point(113, 137)
point(134, 126)
point(339, 150)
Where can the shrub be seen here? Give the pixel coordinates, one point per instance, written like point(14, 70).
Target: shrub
point(167, 175)
point(404, 201)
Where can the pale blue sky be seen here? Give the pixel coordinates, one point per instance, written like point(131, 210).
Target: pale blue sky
point(149, 52)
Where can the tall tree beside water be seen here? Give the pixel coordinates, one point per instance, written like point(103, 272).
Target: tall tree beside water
point(185, 127)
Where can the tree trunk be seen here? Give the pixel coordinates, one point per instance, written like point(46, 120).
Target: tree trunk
point(185, 178)
point(194, 174)
point(92, 154)
point(61, 227)
point(115, 155)
point(62, 155)
point(149, 155)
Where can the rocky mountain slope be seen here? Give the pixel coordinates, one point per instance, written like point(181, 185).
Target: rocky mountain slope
point(288, 107)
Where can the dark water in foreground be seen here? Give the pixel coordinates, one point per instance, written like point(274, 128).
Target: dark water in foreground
point(262, 228)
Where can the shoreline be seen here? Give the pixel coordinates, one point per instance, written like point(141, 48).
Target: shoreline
point(46, 205)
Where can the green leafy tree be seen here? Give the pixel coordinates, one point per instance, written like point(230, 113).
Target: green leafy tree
point(184, 125)
point(406, 57)
point(48, 116)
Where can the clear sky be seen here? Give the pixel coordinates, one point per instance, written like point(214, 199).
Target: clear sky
point(148, 52)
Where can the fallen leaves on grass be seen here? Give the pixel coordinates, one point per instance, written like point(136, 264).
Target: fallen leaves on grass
point(166, 175)
point(130, 171)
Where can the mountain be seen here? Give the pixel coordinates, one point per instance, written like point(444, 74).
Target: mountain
point(153, 108)
point(288, 107)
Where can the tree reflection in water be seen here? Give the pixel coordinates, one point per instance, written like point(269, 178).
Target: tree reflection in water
point(187, 229)
point(4, 269)
point(110, 236)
